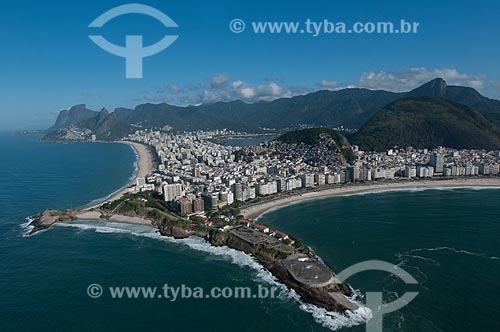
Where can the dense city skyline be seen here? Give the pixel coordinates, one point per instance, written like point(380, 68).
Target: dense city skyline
point(191, 167)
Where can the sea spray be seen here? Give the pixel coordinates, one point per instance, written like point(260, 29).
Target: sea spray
point(27, 227)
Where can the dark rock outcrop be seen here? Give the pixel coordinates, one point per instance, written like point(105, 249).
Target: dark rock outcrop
point(331, 297)
point(74, 115)
point(46, 219)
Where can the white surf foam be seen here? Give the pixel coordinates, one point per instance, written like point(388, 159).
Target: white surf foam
point(335, 321)
point(408, 255)
point(457, 251)
point(369, 191)
point(331, 320)
point(420, 189)
point(27, 227)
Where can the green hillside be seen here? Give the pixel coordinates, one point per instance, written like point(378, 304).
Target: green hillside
point(427, 122)
point(313, 136)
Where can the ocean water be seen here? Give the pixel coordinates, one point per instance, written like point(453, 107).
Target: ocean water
point(44, 278)
point(447, 239)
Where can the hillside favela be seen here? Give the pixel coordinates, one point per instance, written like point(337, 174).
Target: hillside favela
point(252, 166)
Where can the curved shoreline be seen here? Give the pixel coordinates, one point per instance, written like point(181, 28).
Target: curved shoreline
point(318, 297)
point(259, 209)
point(144, 166)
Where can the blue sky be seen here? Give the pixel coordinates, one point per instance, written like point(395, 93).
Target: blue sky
point(49, 63)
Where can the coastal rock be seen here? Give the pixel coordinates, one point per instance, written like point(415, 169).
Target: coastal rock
point(179, 233)
point(49, 217)
point(332, 297)
point(329, 295)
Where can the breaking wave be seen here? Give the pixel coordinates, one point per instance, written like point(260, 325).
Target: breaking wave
point(27, 227)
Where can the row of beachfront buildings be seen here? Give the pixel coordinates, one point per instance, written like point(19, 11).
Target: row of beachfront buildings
point(196, 174)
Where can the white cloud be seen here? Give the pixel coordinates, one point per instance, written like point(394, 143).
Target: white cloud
point(219, 81)
point(193, 87)
point(221, 87)
point(174, 89)
point(324, 84)
point(413, 78)
point(246, 92)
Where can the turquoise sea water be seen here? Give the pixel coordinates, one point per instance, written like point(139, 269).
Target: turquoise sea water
point(447, 239)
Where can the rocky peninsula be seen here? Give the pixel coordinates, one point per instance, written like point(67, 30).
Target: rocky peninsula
point(286, 257)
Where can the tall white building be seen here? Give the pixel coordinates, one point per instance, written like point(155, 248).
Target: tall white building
point(172, 191)
point(307, 180)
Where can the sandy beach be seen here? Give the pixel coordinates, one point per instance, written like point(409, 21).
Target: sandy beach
point(145, 165)
point(255, 211)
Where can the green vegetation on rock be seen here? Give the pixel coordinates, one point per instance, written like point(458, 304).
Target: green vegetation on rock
point(313, 136)
point(427, 122)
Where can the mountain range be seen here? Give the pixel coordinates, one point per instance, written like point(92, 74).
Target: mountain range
point(351, 108)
